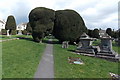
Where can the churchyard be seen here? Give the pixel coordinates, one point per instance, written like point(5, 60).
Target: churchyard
point(23, 55)
point(58, 44)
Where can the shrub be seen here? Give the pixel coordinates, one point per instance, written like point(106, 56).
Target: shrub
point(14, 32)
point(4, 32)
point(10, 24)
point(41, 20)
point(24, 32)
point(69, 25)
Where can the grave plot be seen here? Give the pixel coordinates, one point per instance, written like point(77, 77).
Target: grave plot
point(104, 50)
point(75, 60)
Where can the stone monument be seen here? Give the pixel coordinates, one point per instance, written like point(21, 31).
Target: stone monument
point(65, 44)
point(85, 44)
point(106, 46)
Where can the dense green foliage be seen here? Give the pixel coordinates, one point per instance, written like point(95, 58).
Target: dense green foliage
point(4, 32)
point(10, 24)
point(69, 25)
point(42, 21)
point(90, 33)
point(28, 28)
point(95, 33)
point(109, 31)
point(24, 32)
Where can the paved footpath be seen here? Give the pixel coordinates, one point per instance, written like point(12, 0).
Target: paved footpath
point(46, 65)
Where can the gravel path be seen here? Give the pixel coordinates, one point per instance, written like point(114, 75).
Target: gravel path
point(46, 65)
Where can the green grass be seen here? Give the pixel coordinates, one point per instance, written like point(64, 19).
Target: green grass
point(4, 37)
point(92, 67)
point(20, 58)
point(116, 47)
point(0, 61)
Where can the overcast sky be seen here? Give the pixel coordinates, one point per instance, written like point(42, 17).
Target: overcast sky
point(96, 13)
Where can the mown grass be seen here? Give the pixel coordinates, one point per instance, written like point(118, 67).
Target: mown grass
point(92, 67)
point(4, 37)
point(0, 61)
point(20, 58)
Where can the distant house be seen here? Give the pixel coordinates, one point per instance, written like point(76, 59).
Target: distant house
point(21, 26)
point(2, 24)
point(103, 33)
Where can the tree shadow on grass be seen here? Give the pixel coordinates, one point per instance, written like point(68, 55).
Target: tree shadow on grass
point(51, 42)
point(29, 39)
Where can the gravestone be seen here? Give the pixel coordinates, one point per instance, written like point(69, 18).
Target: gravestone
point(106, 46)
point(65, 44)
point(85, 44)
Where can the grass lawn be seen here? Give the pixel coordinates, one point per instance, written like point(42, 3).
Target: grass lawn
point(0, 61)
point(92, 67)
point(3, 37)
point(20, 58)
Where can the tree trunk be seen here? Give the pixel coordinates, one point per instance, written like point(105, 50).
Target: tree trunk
point(8, 33)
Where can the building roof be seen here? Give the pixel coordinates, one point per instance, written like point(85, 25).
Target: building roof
point(102, 31)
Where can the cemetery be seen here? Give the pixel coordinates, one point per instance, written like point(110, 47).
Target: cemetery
point(59, 44)
point(104, 50)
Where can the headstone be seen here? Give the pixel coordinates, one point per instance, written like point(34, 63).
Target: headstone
point(85, 44)
point(106, 46)
point(65, 44)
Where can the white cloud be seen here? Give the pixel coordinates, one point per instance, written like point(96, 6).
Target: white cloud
point(95, 13)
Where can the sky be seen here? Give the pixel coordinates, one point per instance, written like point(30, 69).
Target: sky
point(95, 13)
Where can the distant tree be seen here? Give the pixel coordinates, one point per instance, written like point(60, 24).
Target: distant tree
point(109, 32)
point(115, 34)
point(119, 37)
point(69, 25)
point(10, 24)
point(42, 21)
point(28, 28)
point(90, 33)
point(95, 33)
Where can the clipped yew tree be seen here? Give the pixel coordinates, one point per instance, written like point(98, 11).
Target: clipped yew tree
point(10, 24)
point(95, 33)
point(28, 28)
point(41, 20)
point(68, 26)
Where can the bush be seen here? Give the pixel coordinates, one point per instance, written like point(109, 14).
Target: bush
point(24, 32)
point(69, 25)
point(28, 28)
point(4, 32)
point(14, 32)
point(95, 33)
point(10, 24)
point(42, 21)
